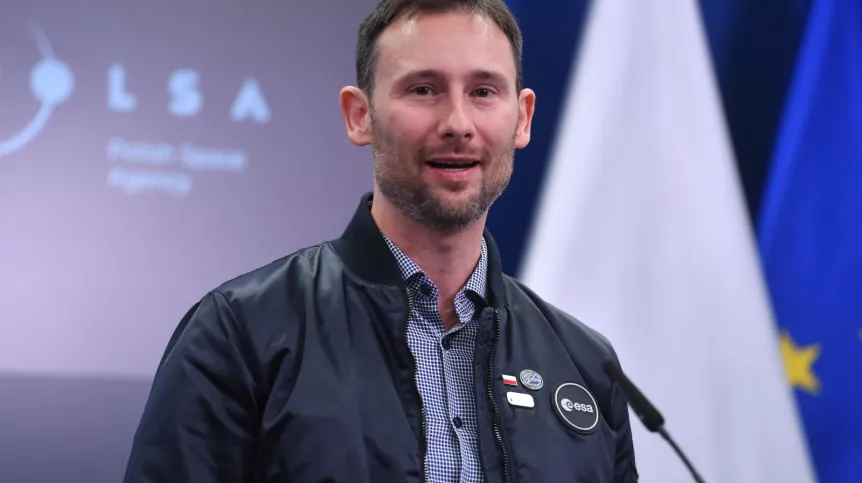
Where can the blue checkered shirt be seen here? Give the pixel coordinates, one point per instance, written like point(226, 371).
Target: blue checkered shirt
point(445, 371)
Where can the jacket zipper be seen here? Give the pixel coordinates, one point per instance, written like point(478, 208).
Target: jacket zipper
point(494, 400)
point(424, 428)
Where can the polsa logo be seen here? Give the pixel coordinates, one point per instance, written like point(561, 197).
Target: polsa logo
point(52, 82)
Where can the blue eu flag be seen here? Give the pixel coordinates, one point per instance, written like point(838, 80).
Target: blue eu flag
point(810, 235)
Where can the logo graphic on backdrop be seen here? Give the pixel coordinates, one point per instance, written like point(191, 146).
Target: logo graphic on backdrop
point(141, 165)
point(51, 82)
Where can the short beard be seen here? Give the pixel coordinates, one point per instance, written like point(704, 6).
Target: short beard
point(413, 197)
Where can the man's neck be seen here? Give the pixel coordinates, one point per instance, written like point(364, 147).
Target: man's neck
point(448, 259)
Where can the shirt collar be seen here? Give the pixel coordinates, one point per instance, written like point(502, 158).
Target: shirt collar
point(476, 284)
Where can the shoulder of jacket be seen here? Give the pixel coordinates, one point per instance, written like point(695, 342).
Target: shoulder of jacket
point(261, 299)
point(276, 275)
point(575, 334)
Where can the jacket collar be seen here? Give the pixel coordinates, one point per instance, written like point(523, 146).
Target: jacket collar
point(363, 250)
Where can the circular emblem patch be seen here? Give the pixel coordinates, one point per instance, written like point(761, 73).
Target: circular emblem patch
point(531, 379)
point(576, 407)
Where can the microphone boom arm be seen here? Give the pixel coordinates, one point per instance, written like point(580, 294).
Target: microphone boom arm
point(647, 413)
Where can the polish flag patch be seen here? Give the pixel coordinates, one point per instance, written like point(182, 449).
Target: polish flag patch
point(509, 380)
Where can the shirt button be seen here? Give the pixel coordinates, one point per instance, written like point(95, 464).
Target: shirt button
point(446, 343)
point(457, 422)
point(426, 289)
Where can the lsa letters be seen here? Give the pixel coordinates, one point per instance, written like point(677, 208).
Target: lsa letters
point(185, 98)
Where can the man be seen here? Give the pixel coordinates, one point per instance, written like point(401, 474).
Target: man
point(397, 352)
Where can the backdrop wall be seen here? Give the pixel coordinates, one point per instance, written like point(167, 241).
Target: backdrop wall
point(148, 152)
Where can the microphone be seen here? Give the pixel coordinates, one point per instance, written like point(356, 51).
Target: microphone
point(648, 414)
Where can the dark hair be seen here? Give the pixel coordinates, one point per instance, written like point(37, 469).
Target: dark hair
point(388, 10)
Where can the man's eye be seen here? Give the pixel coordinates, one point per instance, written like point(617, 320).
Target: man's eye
point(422, 90)
point(483, 92)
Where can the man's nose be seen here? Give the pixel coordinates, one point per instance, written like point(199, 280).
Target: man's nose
point(457, 122)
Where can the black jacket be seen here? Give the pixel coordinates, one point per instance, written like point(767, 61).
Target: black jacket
point(300, 372)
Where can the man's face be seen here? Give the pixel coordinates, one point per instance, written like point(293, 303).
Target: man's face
point(445, 117)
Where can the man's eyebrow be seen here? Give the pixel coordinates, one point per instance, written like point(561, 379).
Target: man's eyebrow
point(431, 74)
point(488, 75)
point(420, 75)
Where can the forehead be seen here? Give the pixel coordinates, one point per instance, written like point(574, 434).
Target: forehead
point(451, 43)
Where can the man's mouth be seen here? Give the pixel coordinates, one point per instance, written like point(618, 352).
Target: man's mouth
point(453, 165)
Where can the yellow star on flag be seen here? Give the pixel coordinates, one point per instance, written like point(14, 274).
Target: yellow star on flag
point(798, 362)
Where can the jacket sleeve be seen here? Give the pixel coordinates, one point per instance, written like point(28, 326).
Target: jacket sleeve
point(200, 418)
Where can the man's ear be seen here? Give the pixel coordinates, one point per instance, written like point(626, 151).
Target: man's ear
point(526, 107)
point(355, 109)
